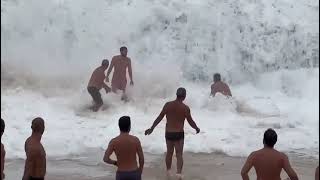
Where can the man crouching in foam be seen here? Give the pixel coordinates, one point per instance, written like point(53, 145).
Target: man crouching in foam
point(96, 82)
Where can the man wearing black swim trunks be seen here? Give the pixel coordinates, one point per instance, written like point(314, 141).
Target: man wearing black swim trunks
point(176, 112)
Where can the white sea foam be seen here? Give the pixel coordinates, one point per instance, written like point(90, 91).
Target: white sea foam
point(267, 52)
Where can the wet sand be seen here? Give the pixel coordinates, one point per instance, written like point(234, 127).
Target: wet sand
point(196, 167)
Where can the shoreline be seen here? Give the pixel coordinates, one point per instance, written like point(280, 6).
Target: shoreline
point(197, 166)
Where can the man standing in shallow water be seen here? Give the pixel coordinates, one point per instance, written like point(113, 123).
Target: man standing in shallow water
point(120, 64)
point(35, 165)
point(126, 147)
point(176, 112)
point(267, 161)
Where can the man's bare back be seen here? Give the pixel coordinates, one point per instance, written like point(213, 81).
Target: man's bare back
point(176, 113)
point(268, 162)
point(36, 159)
point(220, 87)
point(126, 148)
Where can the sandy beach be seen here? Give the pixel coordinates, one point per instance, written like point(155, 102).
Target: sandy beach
point(196, 167)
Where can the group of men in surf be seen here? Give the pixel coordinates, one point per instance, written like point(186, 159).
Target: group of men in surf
point(120, 64)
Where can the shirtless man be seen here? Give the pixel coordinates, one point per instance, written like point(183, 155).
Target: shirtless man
point(268, 162)
point(35, 167)
point(219, 86)
point(3, 152)
point(96, 83)
point(120, 64)
point(126, 147)
point(176, 112)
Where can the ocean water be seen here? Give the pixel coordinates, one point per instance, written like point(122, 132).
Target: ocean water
point(267, 51)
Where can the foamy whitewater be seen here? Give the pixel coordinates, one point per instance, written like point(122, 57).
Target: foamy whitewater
point(268, 51)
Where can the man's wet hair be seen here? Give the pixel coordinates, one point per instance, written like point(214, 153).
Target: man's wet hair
point(181, 92)
point(105, 62)
point(37, 125)
point(217, 77)
point(123, 48)
point(270, 137)
point(124, 124)
point(3, 125)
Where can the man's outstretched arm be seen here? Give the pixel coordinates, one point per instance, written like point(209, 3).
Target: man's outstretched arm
point(157, 121)
point(110, 69)
point(191, 121)
point(106, 88)
point(213, 91)
point(130, 72)
point(229, 91)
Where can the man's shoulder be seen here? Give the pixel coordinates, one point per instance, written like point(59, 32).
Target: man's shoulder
point(224, 84)
point(274, 152)
point(27, 142)
point(115, 139)
point(135, 138)
point(98, 69)
point(282, 155)
point(167, 104)
point(115, 57)
point(186, 106)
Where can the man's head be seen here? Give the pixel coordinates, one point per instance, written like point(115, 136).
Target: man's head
point(3, 125)
point(181, 93)
point(216, 77)
point(105, 63)
point(37, 125)
point(125, 124)
point(124, 51)
point(270, 138)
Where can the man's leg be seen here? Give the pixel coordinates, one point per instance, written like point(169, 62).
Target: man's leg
point(170, 149)
point(124, 96)
point(97, 99)
point(178, 145)
point(91, 92)
point(114, 88)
